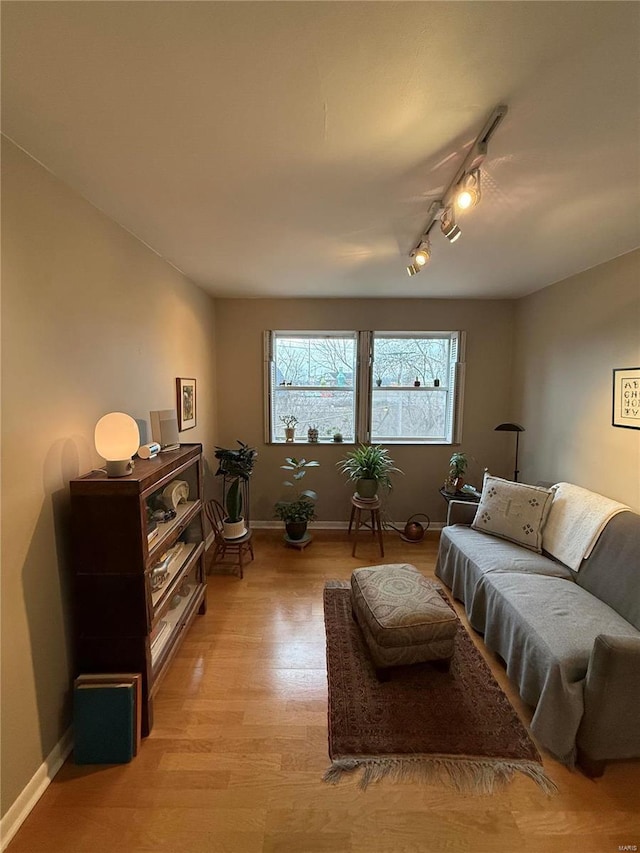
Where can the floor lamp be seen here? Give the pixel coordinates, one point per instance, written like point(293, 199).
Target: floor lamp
point(517, 429)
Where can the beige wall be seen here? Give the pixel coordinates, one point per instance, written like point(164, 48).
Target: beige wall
point(569, 338)
point(92, 322)
point(489, 327)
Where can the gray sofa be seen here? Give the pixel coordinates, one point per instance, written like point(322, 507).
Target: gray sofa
point(570, 641)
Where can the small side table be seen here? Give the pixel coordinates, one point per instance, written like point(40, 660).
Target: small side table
point(459, 496)
point(373, 507)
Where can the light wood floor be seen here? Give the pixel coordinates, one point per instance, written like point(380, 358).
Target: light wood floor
point(235, 760)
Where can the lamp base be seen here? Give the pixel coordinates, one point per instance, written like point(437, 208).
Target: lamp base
point(119, 467)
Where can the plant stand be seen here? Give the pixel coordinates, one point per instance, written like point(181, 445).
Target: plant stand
point(300, 544)
point(373, 507)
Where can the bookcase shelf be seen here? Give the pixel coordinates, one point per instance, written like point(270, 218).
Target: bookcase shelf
point(129, 618)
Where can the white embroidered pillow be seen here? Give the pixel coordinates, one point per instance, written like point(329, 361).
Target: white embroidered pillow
point(514, 511)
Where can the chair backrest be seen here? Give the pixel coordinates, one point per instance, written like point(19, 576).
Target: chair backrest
point(216, 515)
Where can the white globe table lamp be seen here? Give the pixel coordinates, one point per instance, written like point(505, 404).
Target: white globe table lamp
point(117, 438)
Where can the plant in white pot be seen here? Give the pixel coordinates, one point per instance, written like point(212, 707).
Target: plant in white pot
point(298, 512)
point(369, 466)
point(233, 525)
point(290, 422)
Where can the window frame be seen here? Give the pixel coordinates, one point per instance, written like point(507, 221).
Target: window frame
point(269, 379)
point(363, 385)
point(454, 387)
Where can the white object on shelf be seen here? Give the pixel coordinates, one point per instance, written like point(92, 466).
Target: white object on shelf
point(175, 493)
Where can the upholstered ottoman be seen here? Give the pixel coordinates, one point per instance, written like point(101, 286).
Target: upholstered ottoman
point(402, 616)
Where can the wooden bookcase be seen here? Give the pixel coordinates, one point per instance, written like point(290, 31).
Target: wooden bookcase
point(123, 624)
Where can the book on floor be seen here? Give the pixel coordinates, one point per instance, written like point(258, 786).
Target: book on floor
point(104, 723)
point(134, 678)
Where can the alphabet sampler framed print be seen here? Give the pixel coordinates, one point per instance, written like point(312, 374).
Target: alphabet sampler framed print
point(626, 397)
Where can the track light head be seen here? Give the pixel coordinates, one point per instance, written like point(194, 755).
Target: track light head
point(412, 269)
point(468, 191)
point(422, 253)
point(448, 225)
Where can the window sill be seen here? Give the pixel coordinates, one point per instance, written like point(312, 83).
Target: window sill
point(323, 441)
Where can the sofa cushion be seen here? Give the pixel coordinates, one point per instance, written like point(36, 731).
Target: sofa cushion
point(513, 511)
point(466, 555)
point(545, 629)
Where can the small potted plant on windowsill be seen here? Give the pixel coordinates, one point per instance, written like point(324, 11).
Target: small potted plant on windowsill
point(369, 466)
point(297, 513)
point(290, 422)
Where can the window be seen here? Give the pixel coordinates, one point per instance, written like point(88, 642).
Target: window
point(313, 377)
point(413, 396)
point(386, 387)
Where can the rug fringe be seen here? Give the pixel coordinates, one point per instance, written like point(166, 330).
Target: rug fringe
point(465, 775)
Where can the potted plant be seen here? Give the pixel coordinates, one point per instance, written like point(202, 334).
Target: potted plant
point(237, 466)
point(290, 422)
point(233, 525)
point(298, 512)
point(457, 467)
point(369, 466)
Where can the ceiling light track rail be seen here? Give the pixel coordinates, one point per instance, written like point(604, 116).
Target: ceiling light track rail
point(463, 191)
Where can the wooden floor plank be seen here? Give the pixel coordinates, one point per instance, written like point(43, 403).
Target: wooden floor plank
point(235, 759)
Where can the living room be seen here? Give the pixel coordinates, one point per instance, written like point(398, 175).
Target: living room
point(97, 316)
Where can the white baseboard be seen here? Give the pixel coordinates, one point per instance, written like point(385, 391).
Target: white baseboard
point(35, 788)
point(333, 525)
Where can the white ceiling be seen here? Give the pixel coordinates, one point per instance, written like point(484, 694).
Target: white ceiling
point(279, 149)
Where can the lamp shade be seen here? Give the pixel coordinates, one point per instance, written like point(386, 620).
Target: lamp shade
point(117, 438)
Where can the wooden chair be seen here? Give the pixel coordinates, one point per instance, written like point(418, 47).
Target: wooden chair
point(216, 514)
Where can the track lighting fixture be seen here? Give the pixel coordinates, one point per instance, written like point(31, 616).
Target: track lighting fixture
point(422, 253)
point(468, 193)
point(463, 192)
point(449, 226)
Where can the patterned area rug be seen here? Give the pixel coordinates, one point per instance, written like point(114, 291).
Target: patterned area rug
point(456, 728)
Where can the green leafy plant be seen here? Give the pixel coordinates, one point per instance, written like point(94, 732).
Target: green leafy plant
point(236, 463)
point(302, 509)
point(369, 462)
point(302, 506)
point(457, 465)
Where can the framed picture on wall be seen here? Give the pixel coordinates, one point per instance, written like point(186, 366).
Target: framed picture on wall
point(626, 397)
point(186, 403)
